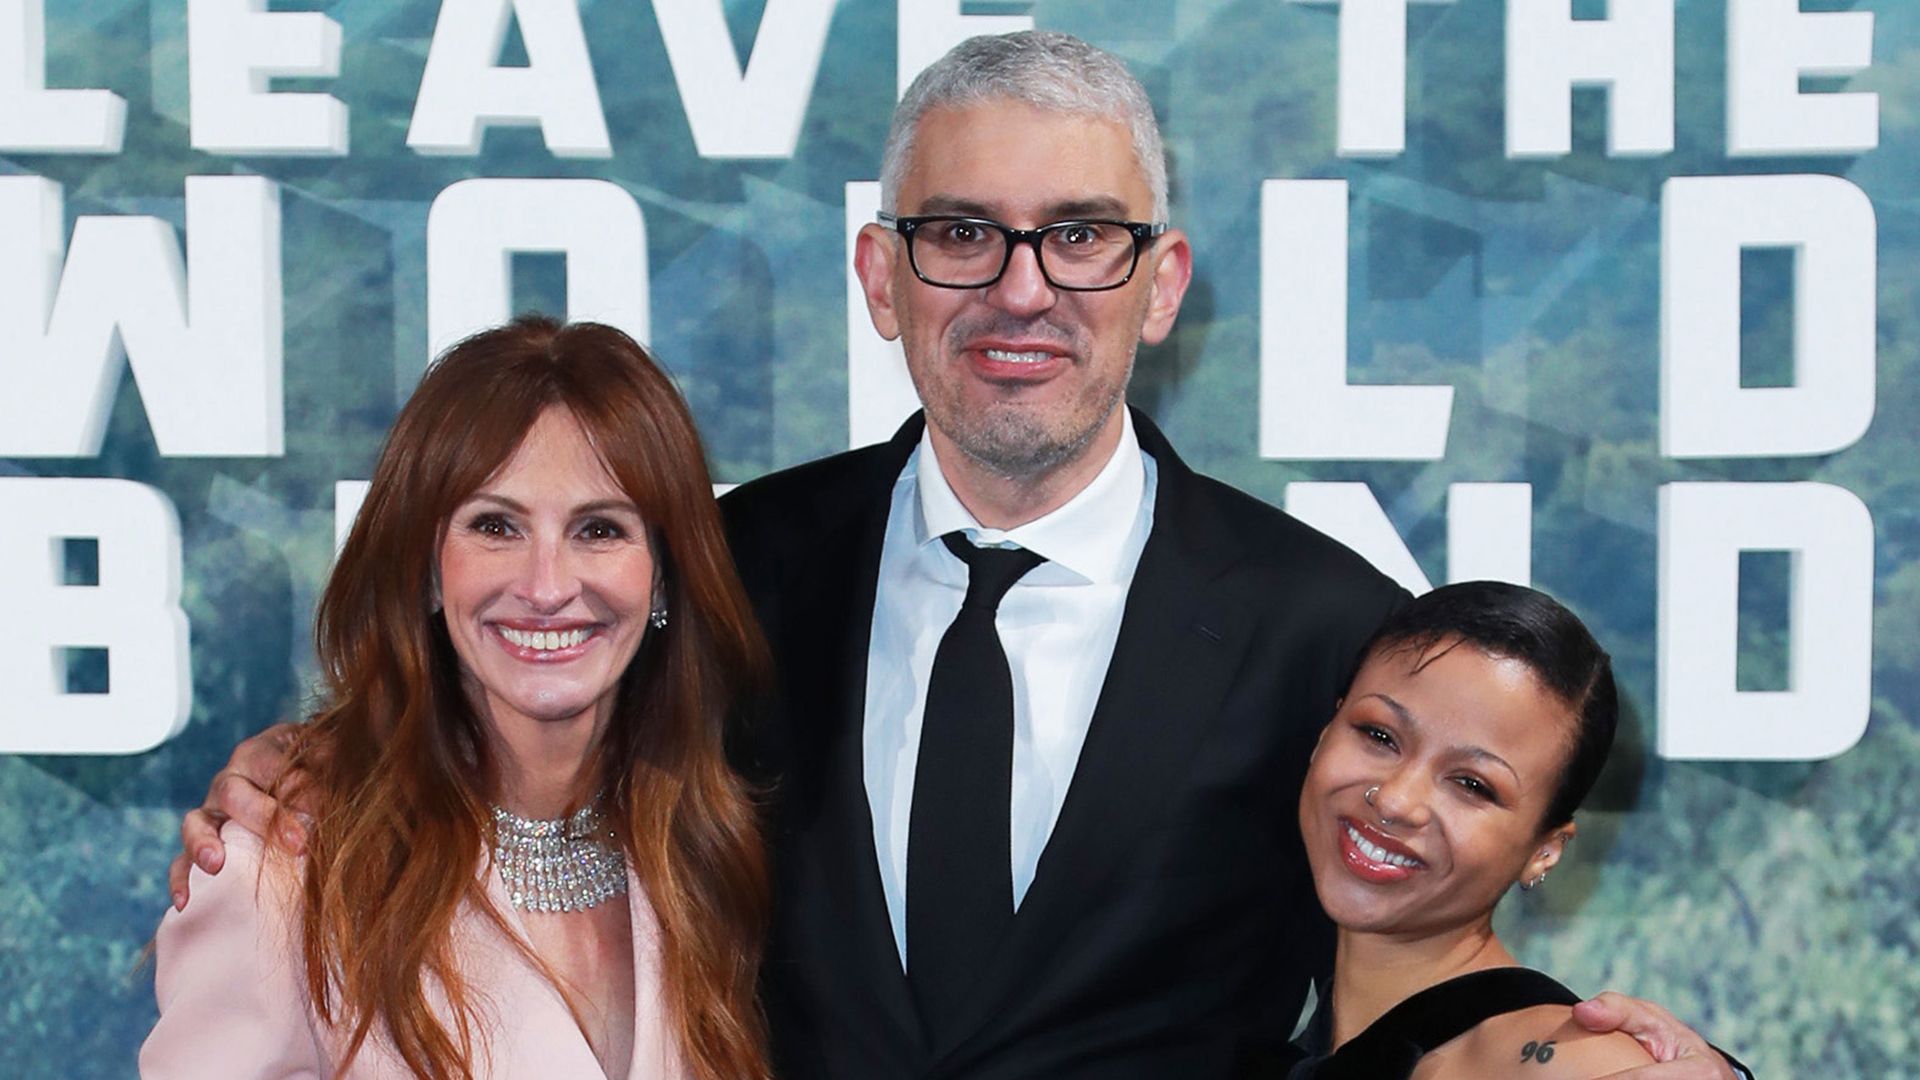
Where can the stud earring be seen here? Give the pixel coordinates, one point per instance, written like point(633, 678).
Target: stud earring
point(1529, 886)
point(658, 618)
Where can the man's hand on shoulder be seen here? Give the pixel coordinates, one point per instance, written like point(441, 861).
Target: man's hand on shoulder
point(239, 794)
point(1540, 1043)
point(1679, 1052)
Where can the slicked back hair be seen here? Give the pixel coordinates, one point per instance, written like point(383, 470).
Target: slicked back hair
point(1513, 622)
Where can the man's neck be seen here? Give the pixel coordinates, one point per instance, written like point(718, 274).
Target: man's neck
point(998, 501)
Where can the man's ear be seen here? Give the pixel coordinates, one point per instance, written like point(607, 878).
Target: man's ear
point(875, 250)
point(1169, 272)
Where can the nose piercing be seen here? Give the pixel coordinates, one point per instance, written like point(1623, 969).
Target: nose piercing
point(1368, 795)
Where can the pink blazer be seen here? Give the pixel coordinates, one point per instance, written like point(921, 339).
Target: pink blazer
point(233, 1002)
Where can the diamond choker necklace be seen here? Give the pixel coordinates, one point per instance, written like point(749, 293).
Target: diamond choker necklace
point(565, 864)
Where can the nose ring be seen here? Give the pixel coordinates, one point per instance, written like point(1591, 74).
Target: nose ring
point(1368, 795)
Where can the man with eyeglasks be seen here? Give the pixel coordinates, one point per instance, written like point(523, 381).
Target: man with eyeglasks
point(1040, 821)
point(1101, 876)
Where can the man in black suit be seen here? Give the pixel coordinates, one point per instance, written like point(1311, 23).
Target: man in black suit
point(1164, 924)
point(1167, 664)
point(1167, 925)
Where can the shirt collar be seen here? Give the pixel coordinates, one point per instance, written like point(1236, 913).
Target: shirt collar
point(1087, 536)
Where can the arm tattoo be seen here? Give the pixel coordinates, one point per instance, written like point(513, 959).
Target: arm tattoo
point(1537, 1052)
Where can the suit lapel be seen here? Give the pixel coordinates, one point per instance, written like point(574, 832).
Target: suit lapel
point(655, 1051)
point(535, 1022)
point(834, 662)
point(1145, 724)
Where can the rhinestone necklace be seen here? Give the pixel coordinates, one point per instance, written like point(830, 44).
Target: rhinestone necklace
point(564, 864)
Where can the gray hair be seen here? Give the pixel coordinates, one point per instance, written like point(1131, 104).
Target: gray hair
point(1042, 68)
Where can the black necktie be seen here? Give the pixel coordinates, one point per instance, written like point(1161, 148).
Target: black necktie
point(959, 859)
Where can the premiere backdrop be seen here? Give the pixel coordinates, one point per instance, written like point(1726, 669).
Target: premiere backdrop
point(1616, 298)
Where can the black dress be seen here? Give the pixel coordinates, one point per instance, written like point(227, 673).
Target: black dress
point(1393, 1044)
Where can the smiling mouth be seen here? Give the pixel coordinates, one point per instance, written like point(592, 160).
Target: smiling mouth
point(545, 641)
point(1371, 862)
point(1008, 356)
point(1379, 854)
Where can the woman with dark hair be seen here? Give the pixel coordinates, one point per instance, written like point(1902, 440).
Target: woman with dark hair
point(527, 854)
point(1478, 719)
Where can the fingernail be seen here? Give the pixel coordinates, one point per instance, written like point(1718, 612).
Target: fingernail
point(179, 901)
point(205, 860)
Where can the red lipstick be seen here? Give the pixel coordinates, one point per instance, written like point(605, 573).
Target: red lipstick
point(1373, 856)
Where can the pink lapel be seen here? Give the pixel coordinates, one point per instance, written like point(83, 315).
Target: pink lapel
point(541, 1036)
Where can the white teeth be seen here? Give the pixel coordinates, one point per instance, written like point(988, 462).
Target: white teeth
point(1376, 852)
point(1006, 357)
point(545, 640)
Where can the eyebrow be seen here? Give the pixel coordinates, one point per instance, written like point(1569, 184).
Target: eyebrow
point(1477, 753)
point(1097, 206)
point(595, 507)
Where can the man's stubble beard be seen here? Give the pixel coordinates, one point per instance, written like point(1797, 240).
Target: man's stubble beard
point(1013, 440)
point(1016, 444)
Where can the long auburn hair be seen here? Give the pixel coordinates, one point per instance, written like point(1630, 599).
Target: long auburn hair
point(396, 763)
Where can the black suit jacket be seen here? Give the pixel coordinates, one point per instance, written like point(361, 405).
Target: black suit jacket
point(1171, 928)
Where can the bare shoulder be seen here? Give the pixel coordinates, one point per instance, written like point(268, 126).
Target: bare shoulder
point(1541, 1043)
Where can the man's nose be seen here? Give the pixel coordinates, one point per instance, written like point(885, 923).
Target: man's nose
point(1023, 288)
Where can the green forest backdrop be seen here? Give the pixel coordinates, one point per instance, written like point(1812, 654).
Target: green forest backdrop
point(1772, 903)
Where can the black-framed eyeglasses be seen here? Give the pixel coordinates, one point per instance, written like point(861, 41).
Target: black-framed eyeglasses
point(1089, 255)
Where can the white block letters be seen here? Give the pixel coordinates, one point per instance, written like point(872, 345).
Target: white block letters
point(755, 113)
point(34, 119)
point(1549, 52)
point(133, 612)
point(1770, 44)
point(1308, 410)
point(476, 226)
point(203, 338)
point(236, 47)
point(463, 91)
point(1829, 225)
point(1703, 529)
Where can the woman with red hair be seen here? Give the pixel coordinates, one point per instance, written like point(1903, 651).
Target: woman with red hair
point(527, 855)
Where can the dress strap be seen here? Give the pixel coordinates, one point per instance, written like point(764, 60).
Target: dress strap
point(1435, 1016)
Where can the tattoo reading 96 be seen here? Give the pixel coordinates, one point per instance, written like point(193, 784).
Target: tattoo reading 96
point(1537, 1052)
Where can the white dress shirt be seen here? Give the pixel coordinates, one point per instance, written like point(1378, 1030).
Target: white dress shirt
point(1058, 625)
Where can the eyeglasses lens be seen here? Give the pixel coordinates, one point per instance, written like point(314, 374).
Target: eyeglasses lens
point(960, 253)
